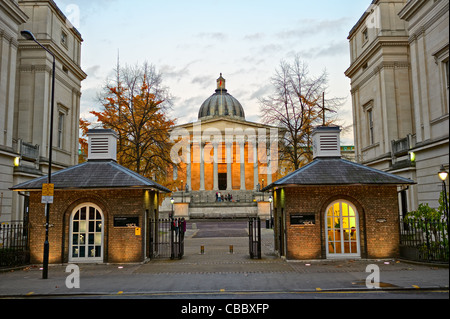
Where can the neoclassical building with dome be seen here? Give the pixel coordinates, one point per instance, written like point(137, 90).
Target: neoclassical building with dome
point(222, 154)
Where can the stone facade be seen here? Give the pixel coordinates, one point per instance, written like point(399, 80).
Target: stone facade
point(399, 85)
point(26, 73)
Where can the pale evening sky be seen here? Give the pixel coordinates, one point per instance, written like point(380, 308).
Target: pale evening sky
point(192, 42)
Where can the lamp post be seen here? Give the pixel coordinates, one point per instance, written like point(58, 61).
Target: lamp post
point(443, 174)
point(172, 201)
point(28, 35)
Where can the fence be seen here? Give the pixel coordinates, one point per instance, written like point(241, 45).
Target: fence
point(424, 240)
point(167, 238)
point(14, 248)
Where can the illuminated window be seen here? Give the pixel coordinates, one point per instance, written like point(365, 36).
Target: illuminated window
point(342, 229)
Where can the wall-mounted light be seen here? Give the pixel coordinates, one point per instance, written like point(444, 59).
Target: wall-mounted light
point(412, 156)
point(17, 162)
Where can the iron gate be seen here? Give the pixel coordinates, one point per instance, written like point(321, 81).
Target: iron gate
point(254, 236)
point(167, 238)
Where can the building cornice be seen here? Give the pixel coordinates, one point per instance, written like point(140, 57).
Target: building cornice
point(375, 46)
point(14, 11)
point(58, 12)
point(59, 54)
point(411, 7)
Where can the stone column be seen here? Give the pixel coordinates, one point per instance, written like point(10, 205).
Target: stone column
point(242, 159)
point(216, 167)
point(229, 170)
point(255, 167)
point(269, 168)
point(202, 168)
point(189, 168)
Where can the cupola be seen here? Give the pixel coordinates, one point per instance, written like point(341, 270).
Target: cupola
point(102, 145)
point(221, 104)
point(326, 141)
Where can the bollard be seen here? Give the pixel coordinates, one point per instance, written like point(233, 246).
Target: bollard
point(202, 250)
point(231, 249)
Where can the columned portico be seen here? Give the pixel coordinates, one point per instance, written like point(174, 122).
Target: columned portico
point(224, 154)
point(229, 161)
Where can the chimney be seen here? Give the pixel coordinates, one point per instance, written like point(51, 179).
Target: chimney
point(102, 145)
point(327, 141)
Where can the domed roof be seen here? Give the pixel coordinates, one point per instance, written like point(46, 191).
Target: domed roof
point(221, 104)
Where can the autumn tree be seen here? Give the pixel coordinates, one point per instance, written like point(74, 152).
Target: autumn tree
point(134, 105)
point(297, 105)
point(82, 140)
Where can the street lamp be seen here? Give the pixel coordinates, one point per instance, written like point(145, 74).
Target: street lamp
point(172, 201)
point(28, 35)
point(443, 174)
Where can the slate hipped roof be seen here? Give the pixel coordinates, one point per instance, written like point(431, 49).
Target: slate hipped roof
point(93, 175)
point(337, 171)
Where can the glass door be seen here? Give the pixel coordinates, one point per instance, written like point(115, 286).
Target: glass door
point(342, 229)
point(86, 234)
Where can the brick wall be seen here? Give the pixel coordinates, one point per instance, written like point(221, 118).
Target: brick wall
point(121, 245)
point(377, 208)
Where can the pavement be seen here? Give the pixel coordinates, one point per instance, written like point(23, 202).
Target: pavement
point(221, 269)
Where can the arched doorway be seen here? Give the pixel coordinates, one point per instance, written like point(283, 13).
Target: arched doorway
point(342, 230)
point(86, 234)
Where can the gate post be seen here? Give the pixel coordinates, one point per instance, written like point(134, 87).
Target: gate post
point(172, 247)
point(254, 235)
point(259, 237)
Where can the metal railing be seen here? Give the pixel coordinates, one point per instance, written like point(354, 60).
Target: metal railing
point(14, 245)
point(424, 240)
point(167, 238)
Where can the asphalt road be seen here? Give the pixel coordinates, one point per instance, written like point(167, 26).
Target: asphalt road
point(218, 277)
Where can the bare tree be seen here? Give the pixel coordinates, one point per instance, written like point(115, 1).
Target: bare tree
point(298, 104)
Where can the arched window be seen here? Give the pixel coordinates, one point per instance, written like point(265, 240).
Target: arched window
point(342, 230)
point(86, 234)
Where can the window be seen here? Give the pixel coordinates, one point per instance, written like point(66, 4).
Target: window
point(86, 234)
point(365, 35)
point(370, 122)
point(342, 229)
point(64, 38)
point(61, 117)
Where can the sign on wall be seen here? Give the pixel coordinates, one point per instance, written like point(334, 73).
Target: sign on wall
point(128, 222)
point(303, 219)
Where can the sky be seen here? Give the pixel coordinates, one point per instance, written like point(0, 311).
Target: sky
point(192, 41)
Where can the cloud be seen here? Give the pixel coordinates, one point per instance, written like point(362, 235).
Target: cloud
point(310, 28)
point(261, 92)
point(170, 71)
point(331, 50)
point(202, 80)
point(219, 36)
point(254, 37)
point(93, 71)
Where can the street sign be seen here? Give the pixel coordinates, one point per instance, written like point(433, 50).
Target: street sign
point(48, 191)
